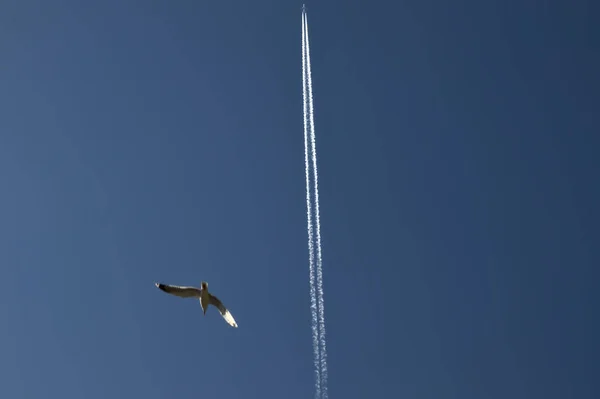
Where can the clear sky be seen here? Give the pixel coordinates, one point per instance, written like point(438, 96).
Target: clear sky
point(162, 141)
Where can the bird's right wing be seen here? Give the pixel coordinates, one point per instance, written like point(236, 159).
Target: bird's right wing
point(223, 310)
point(184, 292)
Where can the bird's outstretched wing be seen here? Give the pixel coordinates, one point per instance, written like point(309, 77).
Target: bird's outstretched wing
point(184, 292)
point(224, 312)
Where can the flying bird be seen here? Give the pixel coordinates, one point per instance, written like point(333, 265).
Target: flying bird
point(206, 298)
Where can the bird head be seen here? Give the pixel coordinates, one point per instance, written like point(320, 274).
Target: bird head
point(204, 285)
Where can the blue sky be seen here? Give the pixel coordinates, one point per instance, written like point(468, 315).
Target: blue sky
point(162, 141)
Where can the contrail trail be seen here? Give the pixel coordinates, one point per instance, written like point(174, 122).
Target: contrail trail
point(319, 268)
point(321, 301)
point(313, 295)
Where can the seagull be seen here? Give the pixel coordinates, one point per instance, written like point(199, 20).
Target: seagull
point(206, 298)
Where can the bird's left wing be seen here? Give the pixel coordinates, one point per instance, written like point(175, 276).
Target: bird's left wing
point(224, 312)
point(184, 292)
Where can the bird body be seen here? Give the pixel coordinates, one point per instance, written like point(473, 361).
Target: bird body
point(204, 296)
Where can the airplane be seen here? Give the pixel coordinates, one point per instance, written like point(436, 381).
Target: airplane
point(303, 7)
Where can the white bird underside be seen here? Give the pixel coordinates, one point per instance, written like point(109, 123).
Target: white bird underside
point(205, 297)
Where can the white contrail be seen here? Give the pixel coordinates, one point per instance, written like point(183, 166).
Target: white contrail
point(321, 301)
point(313, 295)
